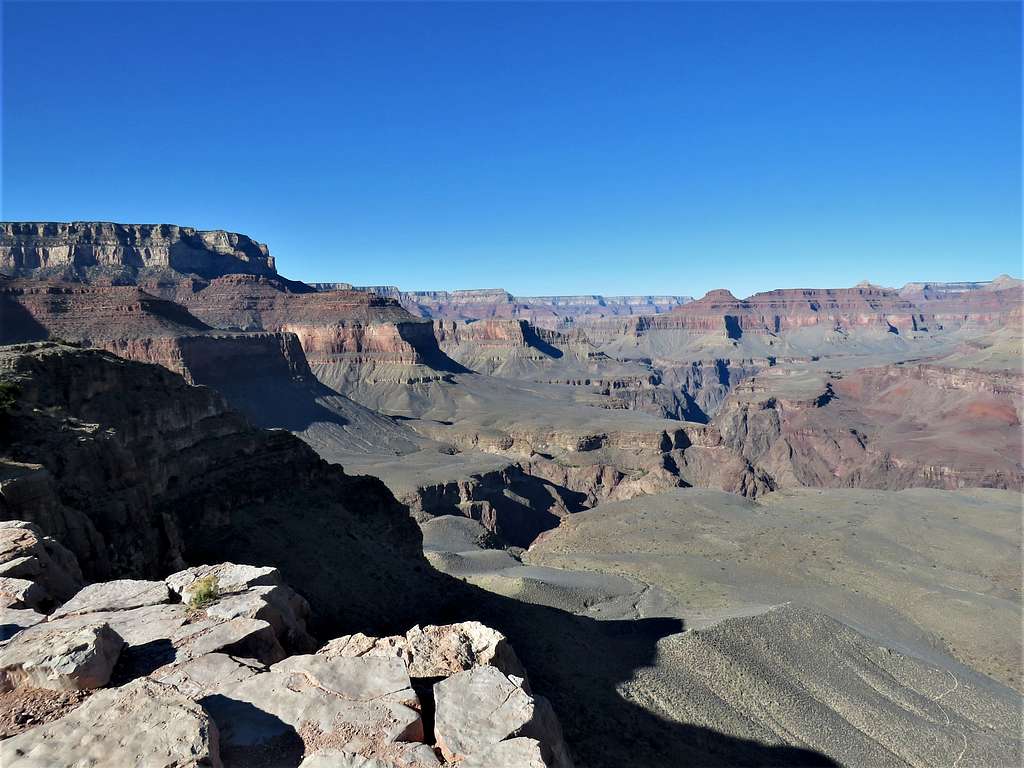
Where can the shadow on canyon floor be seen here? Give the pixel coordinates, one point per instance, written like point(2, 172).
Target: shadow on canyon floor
point(578, 663)
point(285, 404)
point(575, 661)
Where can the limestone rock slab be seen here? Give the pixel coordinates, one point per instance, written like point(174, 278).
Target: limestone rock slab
point(435, 650)
point(13, 620)
point(205, 674)
point(118, 595)
point(163, 635)
point(143, 724)
point(481, 707)
point(476, 709)
point(354, 704)
point(519, 752)
point(396, 756)
point(280, 606)
point(360, 646)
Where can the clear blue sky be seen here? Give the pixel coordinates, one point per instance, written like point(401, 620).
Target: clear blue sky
point(615, 148)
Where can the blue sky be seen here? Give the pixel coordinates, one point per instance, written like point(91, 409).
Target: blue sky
point(612, 148)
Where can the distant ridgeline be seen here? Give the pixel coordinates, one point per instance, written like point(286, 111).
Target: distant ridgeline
point(496, 302)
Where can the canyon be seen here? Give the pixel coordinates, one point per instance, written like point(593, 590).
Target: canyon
point(656, 481)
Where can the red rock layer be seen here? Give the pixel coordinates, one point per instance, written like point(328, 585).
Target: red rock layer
point(893, 427)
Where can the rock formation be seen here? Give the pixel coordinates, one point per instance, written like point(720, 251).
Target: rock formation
point(207, 682)
point(93, 249)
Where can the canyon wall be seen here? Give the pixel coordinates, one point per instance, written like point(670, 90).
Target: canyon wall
point(85, 248)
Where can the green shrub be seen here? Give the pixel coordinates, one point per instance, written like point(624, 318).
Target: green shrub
point(204, 592)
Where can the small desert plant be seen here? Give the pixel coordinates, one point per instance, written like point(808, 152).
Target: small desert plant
point(204, 592)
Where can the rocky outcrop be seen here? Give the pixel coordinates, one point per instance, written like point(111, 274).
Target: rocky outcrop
point(83, 248)
point(344, 334)
point(244, 591)
point(434, 651)
point(141, 474)
point(198, 685)
point(774, 312)
point(933, 291)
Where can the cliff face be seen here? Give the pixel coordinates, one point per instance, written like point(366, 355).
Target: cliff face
point(862, 306)
point(138, 326)
point(140, 474)
point(788, 309)
point(32, 310)
point(892, 427)
point(345, 329)
point(84, 247)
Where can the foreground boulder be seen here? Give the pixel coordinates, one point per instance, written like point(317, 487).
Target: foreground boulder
point(229, 578)
point(363, 705)
point(478, 708)
point(60, 658)
point(247, 591)
point(213, 673)
point(435, 651)
point(144, 724)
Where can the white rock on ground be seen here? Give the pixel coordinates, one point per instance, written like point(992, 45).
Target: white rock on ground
point(143, 724)
point(361, 705)
point(480, 707)
point(119, 595)
point(60, 658)
point(281, 606)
